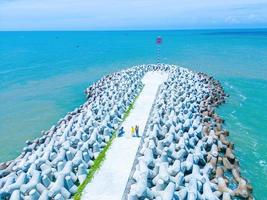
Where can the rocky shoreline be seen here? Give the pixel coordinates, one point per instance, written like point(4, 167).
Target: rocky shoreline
point(185, 155)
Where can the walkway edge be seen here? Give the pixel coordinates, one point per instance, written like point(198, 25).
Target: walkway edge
point(130, 181)
point(102, 156)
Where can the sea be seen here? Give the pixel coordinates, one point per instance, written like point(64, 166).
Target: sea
point(43, 76)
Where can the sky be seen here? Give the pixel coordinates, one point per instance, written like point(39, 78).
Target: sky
point(131, 14)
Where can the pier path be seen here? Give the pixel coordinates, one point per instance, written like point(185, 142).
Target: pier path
point(111, 179)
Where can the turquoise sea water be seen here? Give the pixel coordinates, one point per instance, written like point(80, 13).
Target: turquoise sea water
point(43, 76)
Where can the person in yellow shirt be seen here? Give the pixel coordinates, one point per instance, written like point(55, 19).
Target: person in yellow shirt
point(132, 131)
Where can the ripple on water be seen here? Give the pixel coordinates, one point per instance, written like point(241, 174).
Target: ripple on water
point(242, 97)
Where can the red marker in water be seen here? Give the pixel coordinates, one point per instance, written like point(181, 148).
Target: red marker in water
point(159, 40)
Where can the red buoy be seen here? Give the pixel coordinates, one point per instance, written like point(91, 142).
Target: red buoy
point(159, 40)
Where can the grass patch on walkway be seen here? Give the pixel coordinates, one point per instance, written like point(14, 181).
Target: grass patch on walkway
point(102, 155)
point(95, 167)
point(131, 106)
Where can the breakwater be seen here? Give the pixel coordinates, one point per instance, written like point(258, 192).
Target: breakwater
point(53, 165)
point(190, 147)
point(185, 153)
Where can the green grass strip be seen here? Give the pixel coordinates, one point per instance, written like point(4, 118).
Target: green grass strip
point(95, 167)
point(102, 155)
point(131, 106)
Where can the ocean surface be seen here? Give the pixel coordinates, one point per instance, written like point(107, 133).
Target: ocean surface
point(43, 75)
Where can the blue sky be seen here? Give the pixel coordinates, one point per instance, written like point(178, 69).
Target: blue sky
point(131, 14)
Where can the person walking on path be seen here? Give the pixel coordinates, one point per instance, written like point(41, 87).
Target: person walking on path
point(132, 131)
point(137, 130)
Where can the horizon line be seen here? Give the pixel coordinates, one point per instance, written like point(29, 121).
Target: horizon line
point(118, 30)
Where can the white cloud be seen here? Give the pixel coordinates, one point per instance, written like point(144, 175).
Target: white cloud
point(232, 20)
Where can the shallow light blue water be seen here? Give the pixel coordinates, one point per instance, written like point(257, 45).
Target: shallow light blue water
point(43, 76)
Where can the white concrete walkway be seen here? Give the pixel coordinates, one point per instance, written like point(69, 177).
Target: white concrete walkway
point(110, 181)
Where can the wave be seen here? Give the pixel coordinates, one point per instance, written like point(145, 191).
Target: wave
point(229, 85)
point(262, 163)
point(18, 69)
point(236, 91)
point(243, 97)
